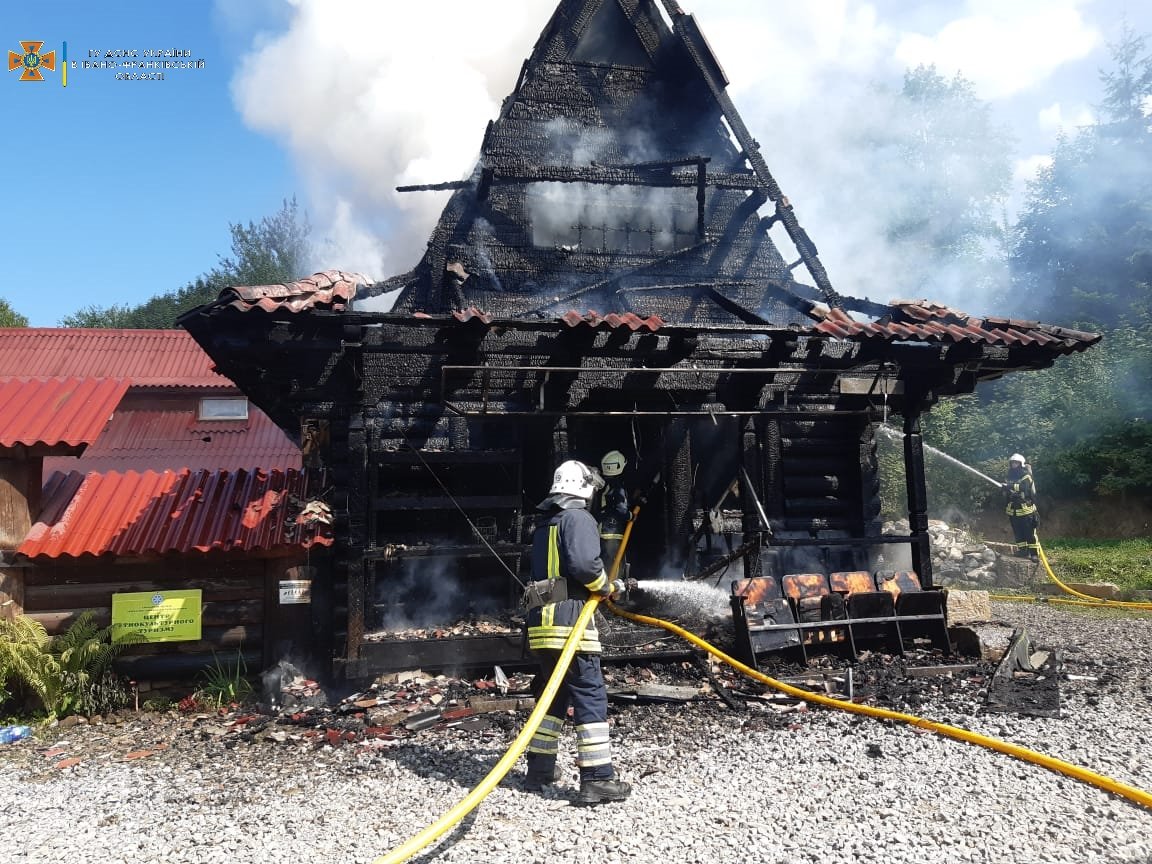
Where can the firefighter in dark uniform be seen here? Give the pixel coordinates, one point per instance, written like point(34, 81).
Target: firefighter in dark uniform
point(566, 546)
point(612, 508)
point(1021, 509)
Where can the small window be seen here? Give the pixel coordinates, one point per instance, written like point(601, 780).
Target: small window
point(223, 408)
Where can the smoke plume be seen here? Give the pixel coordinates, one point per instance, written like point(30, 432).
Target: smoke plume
point(370, 95)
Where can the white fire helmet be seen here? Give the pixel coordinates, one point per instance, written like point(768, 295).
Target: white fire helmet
point(612, 463)
point(1016, 457)
point(576, 478)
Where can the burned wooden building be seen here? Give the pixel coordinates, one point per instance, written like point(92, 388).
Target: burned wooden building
point(620, 271)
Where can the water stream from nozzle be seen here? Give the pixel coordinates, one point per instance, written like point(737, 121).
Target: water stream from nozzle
point(697, 603)
point(895, 433)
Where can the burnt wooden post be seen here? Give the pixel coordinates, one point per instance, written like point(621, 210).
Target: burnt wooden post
point(917, 498)
point(752, 463)
point(678, 483)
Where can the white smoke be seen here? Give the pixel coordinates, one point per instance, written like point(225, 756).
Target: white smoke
point(369, 95)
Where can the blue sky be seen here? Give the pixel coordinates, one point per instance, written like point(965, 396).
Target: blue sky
point(119, 190)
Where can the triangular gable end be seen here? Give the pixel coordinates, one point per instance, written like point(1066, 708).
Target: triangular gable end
point(609, 177)
point(610, 38)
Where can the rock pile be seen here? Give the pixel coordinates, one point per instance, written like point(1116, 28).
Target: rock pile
point(961, 561)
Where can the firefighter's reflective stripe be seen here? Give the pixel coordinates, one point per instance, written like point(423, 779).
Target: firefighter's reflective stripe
point(596, 586)
point(1020, 497)
point(550, 634)
point(553, 551)
point(1026, 509)
point(593, 748)
point(546, 740)
point(604, 536)
point(553, 639)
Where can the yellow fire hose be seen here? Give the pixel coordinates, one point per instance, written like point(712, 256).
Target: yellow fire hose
point(1081, 599)
point(520, 744)
point(1139, 796)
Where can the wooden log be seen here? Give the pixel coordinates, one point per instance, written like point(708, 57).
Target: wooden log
point(213, 615)
point(97, 594)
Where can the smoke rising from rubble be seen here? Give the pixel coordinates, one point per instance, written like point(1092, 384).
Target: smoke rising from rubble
point(370, 95)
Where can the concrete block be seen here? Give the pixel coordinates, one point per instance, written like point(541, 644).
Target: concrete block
point(968, 607)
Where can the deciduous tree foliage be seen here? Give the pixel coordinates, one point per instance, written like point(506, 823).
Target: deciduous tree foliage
point(9, 317)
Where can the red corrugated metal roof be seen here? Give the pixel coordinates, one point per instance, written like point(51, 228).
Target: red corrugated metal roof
point(140, 439)
point(332, 290)
point(151, 358)
point(172, 511)
point(56, 411)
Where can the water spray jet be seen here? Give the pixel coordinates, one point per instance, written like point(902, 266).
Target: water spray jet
point(896, 433)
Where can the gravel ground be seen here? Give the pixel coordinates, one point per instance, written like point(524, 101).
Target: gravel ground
point(766, 784)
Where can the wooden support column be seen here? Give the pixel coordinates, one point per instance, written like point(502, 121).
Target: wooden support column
point(752, 524)
point(678, 483)
point(358, 534)
point(20, 484)
point(917, 498)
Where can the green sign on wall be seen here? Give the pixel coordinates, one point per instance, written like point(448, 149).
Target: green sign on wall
point(156, 616)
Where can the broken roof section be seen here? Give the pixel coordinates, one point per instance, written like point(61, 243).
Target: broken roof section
point(61, 416)
point(153, 513)
point(620, 184)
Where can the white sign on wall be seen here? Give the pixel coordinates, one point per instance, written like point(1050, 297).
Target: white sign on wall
point(295, 591)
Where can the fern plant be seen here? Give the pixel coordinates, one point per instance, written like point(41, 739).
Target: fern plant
point(69, 673)
point(23, 653)
point(81, 655)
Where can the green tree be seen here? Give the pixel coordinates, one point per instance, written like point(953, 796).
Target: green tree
point(9, 317)
point(1083, 243)
point(942, 222)
point(276, 249)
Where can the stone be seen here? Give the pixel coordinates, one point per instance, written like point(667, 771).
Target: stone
point(967, 607)
point(1100, 590)
point(987, 641)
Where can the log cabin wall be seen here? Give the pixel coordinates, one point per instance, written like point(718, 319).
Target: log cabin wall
point(241, 613)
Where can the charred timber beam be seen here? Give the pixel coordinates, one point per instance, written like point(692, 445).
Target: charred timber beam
point(657, 164)
point(624, 274)
point(752, 412)
point(699, 178)
point(693, 40)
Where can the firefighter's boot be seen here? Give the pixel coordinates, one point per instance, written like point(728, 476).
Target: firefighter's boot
point(602, 791)
point(539, 777)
